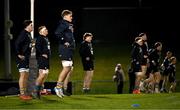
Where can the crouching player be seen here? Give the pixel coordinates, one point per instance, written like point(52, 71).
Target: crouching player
point(154, 65)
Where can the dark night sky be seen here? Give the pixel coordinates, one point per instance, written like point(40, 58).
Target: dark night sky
point(107, 20)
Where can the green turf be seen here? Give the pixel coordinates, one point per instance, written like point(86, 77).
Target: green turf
point(103, 101)
point(107, 55)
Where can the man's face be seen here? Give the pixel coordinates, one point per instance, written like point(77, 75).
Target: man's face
point(68, 17)
point(44, 31)
point(30, 27)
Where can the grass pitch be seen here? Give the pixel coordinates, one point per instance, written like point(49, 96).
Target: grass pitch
point(101, 101)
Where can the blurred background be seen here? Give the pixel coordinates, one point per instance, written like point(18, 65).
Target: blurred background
point(114, 25)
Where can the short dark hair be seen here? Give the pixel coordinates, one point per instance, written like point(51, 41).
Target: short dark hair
point(26, 23)
point(41, 27)
point(86, 35)
point(142, 34)
point(157, 44)
point(168, 52)
point(137, 39)
point(65, 12)
point(118, 66)
point(172, 58)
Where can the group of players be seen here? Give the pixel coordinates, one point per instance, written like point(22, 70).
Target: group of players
point(64, 34)
point(147, 74)
point(144, 74)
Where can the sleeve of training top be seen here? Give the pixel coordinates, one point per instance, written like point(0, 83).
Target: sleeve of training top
point(59, 33)
point(18, 43)
point(41, 46)
point(82, 49)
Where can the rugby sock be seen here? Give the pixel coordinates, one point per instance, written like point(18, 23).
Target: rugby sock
point(137, 85)
point(22, 91)
point(59, 84)
point(65, 88)
point(88, 89)
point(42, 87)
point(156, 85)
point(38, 87)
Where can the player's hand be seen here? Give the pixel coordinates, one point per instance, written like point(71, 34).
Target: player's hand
point(154, 63)
point(114, 76)
point(66, 44)
point(21, 57)
point(45, 55)
point(87, 58)
point(145, 56)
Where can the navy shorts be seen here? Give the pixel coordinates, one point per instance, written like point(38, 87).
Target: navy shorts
point(172, 79)
point(22, 63)
point(88, 65)
point(136, 67)
point(153, 68)
point(43, 63)
point(144, 61)
point(165, 72)
point(65, 53)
